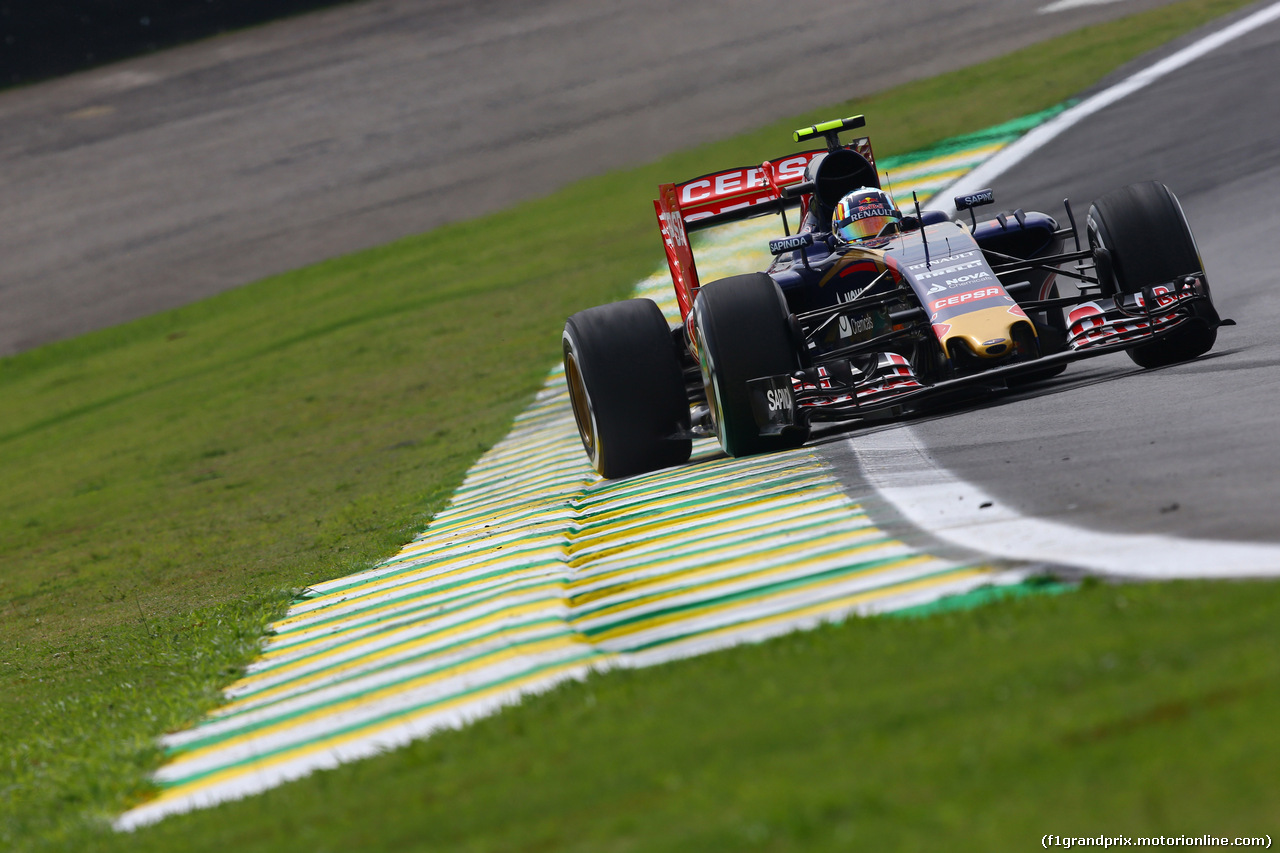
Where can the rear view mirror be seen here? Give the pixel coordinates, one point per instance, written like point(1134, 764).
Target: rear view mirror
point(790, 244)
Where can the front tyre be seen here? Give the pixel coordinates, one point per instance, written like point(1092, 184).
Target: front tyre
point(1145, 232)
point(744, 333)
point(627, 388)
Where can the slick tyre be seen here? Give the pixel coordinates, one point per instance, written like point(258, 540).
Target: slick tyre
point(1144, 230)
point(744, 333)
point(627, 389)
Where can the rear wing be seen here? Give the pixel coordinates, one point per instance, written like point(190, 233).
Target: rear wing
point(728, 196)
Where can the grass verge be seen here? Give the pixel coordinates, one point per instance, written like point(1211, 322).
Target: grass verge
point(1099, 712)
point(163, 484)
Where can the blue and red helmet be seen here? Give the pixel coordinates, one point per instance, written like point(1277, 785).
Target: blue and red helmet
point(863, 214)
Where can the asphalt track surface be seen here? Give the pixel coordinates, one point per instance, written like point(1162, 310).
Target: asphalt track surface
point(159, 181)
point(1191, 450)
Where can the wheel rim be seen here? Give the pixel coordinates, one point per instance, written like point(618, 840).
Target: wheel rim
point(582, 414)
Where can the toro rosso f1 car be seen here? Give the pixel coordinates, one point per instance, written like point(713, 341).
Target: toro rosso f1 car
point(868, 311)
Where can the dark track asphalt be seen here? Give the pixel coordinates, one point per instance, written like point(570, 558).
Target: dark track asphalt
point(159, 181)
point(1112, 447)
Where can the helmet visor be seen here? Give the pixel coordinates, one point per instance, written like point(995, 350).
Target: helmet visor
point(861, 218)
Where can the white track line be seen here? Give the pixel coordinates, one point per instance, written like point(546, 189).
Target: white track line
point(935, 500)
point(1016, 152)
point(1064, 5)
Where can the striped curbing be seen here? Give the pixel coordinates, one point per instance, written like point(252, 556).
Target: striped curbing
point(538, 572)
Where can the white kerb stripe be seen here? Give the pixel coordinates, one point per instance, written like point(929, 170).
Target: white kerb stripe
point(938, 502)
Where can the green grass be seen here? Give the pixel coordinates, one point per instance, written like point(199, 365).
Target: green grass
point(1099, 712)
point(164, 484)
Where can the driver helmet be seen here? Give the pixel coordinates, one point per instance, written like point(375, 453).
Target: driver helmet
point(864, 213)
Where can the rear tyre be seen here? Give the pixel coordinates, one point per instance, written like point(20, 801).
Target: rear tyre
point(1145, 232)
point(744, 332)
point(627, 389)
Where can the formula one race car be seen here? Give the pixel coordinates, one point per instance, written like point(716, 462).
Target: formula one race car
point(869, 312)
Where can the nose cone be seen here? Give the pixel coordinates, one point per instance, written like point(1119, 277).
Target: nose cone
point(987, 333)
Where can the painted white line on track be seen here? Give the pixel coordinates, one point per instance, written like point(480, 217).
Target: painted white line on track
point(1015, 153)
point(1064, 5)
point(935, 500)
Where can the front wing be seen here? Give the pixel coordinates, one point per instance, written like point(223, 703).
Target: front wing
point(884, 384)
